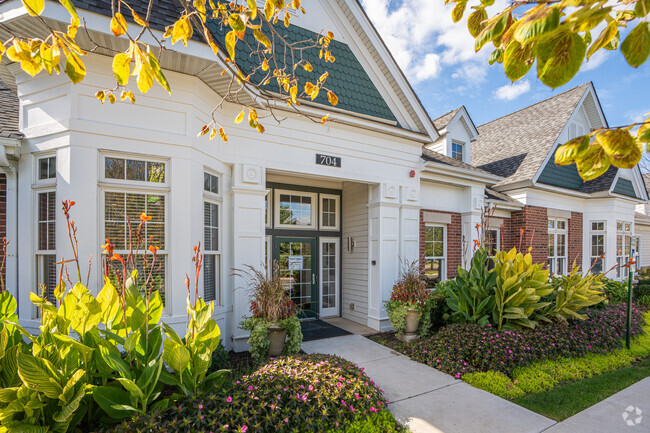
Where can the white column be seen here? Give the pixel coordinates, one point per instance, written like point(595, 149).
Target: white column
point(248, 235)
point(11, 221)
point(410, 224)
point(384, 249)
point(470, 218)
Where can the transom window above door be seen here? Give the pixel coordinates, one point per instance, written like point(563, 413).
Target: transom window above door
point(295, 209)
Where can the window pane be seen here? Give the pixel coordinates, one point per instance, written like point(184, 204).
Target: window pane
point(438, 249)
point(551, 224)
point(146, 267)
point(438, 234)
point(135, 170)
point(428, 249)
point(210, 183)
point(46, 220)
point(295, 210)
point(210, 278)
point(428, 234)
point(47, 168)
point(114, 168)
point(551, 245)
point(561, 225)
point(561, 244)
point(156, 172)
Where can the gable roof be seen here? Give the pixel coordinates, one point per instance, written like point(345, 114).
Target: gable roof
point(516, 145)
point(430, 155)
point(442, 121)
point(9, 106)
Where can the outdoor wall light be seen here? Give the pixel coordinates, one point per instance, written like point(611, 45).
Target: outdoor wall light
point(351, 244)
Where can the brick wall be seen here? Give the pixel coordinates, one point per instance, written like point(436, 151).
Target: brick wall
point(3, 210)
point(454, 253)
point(575, 239)
point(534, 222)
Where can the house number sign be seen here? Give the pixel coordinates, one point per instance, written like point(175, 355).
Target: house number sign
point(330, 161)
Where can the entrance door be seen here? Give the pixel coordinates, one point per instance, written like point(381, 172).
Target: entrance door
point(297, 267)
point(329, 276)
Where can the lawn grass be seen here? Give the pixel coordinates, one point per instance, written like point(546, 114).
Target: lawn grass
point(567, 399)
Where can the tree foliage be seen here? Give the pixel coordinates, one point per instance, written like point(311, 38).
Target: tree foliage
point(274, 81)
point(558, 36)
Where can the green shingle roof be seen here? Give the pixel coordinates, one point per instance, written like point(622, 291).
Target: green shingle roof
point(347, 78)
point(567, 177)
point(625, 187)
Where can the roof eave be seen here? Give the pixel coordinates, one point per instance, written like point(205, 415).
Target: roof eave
point(489, 179)
point(505, 205)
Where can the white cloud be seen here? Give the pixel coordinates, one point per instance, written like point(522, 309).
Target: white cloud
point(424, 40)
point(596, 60)
point(512, 91)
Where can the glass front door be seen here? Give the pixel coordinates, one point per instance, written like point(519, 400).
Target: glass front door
point(297, 267)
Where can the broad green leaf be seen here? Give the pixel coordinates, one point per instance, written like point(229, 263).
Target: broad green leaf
point(594, 163)
point(517, 61)
point(636, 46)
point(231, 41)
point(559, 58)
point(158, 73)
point(603, 38)
point(7, 395)
point(568, 152)
point(170, 333)
point(476, 22)
point(616, 142)
point(132, 388)
point(68, 389)
point(644, 131)
point(459, 10)
point(122, 68)
point(39, 375)
point(156, 308)
point(65, 415)
point(118, 24)
point(587, 17)
point(493, 29)
point(631, 159)
point(111, 356)
point(34, 7)
point(539, 21)
point(108, 396)
point(8, 305)
point(642, 8)
point(74, 68)
point(176, 356)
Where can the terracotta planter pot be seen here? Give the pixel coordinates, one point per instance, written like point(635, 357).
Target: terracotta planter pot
point(277, 337)
point(412, 321)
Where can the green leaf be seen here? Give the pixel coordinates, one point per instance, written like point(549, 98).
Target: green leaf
point(476, 22)
point(176, 356)
point(74, 68)
point(66, 414)
point(132, 388)
point(236, 23)
point(8, 305)
point(642, 8)
point(149, 377)
point(559, 58)
point(109, 301)
point(111, 357)
point(261, 38)
point(39, 375)
point(459, 10)
point(636, 46)
point(493, 29)
point(594, 163)
point(517, 61)
point(571, 150)
point(616, 142)
point(121, 70)
point(158, 74)
point(107, 397)
point(538, 22)
point(34, 7)
point(231, 42)
point(631, 159)
point(604, 38)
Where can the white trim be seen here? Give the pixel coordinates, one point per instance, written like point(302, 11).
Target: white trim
point(332, 311)
point(443, 258)
point(269, 198)
point(276, 210)
point(337, 216)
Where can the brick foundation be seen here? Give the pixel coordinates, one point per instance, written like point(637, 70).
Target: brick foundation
point(454, 253)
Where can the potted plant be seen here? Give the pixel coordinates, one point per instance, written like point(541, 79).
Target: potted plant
point(409, 307)
point(274, 325)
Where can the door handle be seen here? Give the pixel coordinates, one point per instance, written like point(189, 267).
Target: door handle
point(313, 278)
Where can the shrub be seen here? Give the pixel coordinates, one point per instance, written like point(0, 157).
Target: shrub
point(533, 380)
point(465, 348)
point(615, 291)
point(307, 393)
point(382, 422)
point(409, 292)
point(573, 293)
point(495, 383)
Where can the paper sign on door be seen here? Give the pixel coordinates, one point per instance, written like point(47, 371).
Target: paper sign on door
point(295, 263)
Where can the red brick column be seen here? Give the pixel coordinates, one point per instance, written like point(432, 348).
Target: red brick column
point(454, 244)
point(575, 239)
point(534, 222)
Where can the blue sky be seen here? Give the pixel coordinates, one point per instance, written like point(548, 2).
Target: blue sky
point(438, 57)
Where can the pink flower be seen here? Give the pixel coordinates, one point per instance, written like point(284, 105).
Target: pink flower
point(229, 400)
point(200, 406)
point(250, 388)
point(338, 384)
point(244, 429)
point(286, 420)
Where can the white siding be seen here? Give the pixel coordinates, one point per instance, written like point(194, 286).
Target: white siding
point(354, 287)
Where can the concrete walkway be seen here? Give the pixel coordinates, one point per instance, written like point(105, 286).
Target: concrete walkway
point(427, 400)
point(627, 411)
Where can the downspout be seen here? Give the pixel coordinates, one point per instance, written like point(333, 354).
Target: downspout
point(9, 165)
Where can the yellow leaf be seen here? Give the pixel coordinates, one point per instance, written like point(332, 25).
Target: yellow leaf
point(101, 96)
point(213, 133)
point(616, 142)
point(138, 19)
point(223, 135)
point(330, 35)
point(111, 98)
point(265, 65)
point(261, 38)
point(74, 68)
point(308, 67)
point(122, 68)
point(269, 9)
point(158, 73)
point(309, 88)
point(132, 97)
point(72, 11)
point(332, 98)
point(295, 4)
point(118, 24)
point(324, 119)
point(323, 77)
point(204, 130)
point(294, 93)
point(240, 117)
point(237, 24)
point(182, 30)
point(199, 5)
point(314, 94)
point(34, 7)
point(458, 11)
point(279, 4)
point(231, 41)
point(260, 128)
point(631, 159)
point(252, 6)
point(123, 95)
point(286, 19)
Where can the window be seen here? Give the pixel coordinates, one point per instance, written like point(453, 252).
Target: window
point(211, 239)
point(123, 209)
point(295, 210)
point(47, 168)
point(557, 251)
point(134, 170)
point(597, 246)
point(434, 252)
point(623, 234)
point(329, 212)
point(329, 251)
point(268, 217)
point(492, 240)
point(46, 274)
point(457, 150)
